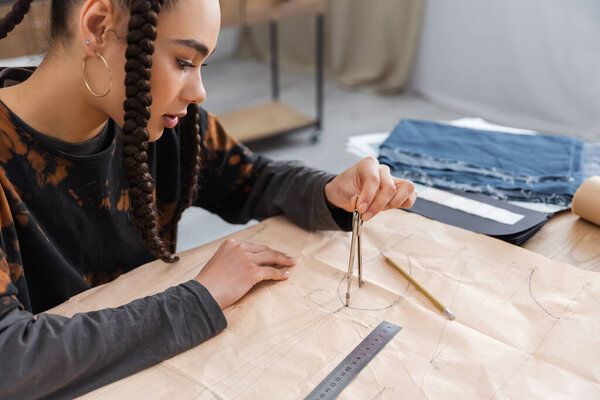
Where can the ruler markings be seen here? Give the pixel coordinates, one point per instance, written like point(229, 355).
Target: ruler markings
point(345, 371)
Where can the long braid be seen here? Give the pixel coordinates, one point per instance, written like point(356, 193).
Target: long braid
point(14, 17)
point(140, 46)
point(190, 165)
point(140, 40)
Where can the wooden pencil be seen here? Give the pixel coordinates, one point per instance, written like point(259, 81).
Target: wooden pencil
point(425, 292)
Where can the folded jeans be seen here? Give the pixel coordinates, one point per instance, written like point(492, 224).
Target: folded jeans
point(539, 168)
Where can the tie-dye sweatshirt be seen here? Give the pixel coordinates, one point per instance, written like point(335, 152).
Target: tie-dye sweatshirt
point(65, 228)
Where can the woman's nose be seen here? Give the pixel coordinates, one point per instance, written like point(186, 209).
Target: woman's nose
point(194, 91)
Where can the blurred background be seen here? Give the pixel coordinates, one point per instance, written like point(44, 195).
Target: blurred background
point(531, 64)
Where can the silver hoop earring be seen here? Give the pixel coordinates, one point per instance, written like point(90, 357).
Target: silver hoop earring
point(85, 78)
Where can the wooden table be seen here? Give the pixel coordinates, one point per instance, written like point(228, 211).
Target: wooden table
point(570, 239)
point(526, 325)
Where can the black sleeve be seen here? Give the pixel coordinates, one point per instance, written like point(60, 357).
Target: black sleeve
point(239, 185)
point(58, 357)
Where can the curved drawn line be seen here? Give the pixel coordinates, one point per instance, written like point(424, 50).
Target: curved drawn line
point(534, 299)
point(437, 352)
point(396, 301)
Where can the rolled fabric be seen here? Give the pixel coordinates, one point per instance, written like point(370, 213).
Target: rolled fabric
point(586, 202)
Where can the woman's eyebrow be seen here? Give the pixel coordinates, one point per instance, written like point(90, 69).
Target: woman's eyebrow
point(194, 44)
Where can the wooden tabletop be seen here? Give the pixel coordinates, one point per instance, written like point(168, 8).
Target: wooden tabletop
point(526, 325)
point(570, 239)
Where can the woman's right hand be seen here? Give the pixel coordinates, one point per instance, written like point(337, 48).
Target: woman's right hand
point(237, 266)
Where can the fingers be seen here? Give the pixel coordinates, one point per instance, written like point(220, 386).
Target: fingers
point(405, 197)
point(272, 257)
point(412, 197)
point(257, 254)
point(262, 255)
point(269, 264)
point(369, 176)
point(252, 247)
point(381, 191)
point(384, 195)
point(237, 266)
point(273, 273)
point(377, 188)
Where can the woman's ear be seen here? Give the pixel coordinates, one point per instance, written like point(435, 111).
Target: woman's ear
point(96, 19)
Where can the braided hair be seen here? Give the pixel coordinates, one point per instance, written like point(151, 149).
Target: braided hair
point(191, 150)
point(14, 17)
point(135, 136)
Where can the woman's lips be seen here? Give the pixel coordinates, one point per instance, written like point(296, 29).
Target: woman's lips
point(170, 121)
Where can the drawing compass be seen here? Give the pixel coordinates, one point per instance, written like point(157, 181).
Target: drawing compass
point(355, 247)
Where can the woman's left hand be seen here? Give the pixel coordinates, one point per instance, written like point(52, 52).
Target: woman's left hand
point(378, 189)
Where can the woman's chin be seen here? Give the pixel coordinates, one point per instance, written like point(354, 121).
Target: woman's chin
point(155, 134)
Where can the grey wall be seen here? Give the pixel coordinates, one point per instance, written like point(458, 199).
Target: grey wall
point(526, 63)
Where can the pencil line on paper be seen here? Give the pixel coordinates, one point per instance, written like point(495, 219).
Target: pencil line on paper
point(437, 352)
point(534, 299)
point(343, 301)
point(378, 395)
point(556, 321)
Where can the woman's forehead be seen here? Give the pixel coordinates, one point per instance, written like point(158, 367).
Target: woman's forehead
point(197, 20)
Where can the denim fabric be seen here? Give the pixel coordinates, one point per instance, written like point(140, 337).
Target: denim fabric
point(539, 168)
point(591, 160)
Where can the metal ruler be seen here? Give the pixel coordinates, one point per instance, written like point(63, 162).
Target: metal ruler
point(345, 371)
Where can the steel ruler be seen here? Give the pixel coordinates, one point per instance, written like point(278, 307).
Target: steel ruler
point(345, 371)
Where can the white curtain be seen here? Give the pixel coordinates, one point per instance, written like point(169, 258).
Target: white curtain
point(532, 64)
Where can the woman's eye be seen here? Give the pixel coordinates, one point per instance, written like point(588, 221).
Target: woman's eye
point(185, 64)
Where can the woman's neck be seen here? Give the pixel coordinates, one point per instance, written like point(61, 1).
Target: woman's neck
point(52, 102)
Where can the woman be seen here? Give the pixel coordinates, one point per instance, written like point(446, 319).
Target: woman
point(95, 175)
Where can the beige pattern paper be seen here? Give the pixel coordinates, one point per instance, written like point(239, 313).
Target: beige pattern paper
point(526, 326)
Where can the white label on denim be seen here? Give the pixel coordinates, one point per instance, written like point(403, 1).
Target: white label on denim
point(470, 206)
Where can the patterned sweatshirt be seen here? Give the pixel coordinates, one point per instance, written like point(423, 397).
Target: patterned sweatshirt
point(65, 228)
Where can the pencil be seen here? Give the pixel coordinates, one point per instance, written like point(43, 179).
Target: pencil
point(416, 284)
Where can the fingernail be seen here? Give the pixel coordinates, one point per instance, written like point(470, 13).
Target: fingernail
point(287, 272)
point(366, 216)
point(362, 208)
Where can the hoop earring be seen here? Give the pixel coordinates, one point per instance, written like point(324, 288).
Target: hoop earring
point(85, 78)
